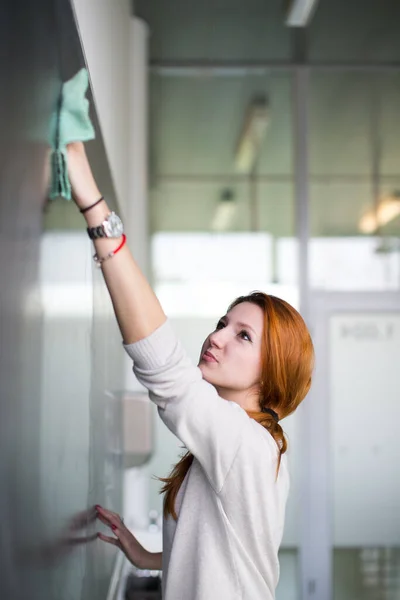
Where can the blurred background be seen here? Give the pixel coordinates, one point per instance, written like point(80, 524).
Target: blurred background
point(246, 145)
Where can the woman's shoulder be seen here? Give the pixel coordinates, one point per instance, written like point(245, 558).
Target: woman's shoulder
point(258, 439)
point(257, 460)
point(254, 434)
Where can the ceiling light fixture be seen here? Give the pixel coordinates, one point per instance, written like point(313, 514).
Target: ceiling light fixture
point(252, 134)
point(299, 12)
point(224, 212)
point(387, 210)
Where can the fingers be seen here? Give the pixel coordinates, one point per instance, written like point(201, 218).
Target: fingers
point(113, 526)
point(103, 520)
point(111, 519)
point(109, 540)
point(108, 514)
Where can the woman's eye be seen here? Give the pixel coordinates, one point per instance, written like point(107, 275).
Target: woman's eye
point(219, 325)
point(245, 335)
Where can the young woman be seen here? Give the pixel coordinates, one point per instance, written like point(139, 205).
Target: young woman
point(225, 499)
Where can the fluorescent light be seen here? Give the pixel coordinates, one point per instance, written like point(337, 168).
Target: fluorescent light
point(299, 12)
point(252, 134)
point(223, 215)
point(387, 210)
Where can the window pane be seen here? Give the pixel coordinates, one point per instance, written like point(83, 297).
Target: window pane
point(354, 182)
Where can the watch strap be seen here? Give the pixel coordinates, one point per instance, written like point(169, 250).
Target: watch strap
point(96, 232)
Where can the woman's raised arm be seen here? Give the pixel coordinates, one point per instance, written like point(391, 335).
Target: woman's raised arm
point(189, 406)
point(137, 308)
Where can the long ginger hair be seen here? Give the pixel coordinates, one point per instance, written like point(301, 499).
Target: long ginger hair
point(287, 360)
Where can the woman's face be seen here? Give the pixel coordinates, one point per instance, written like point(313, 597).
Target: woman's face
point(230, 358)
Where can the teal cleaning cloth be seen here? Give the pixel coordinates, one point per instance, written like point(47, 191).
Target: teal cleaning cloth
point(70, 122)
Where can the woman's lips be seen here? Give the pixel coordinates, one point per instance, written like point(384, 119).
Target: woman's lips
point(208, 357)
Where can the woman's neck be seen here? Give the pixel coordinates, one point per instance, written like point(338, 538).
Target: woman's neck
point(248, 399)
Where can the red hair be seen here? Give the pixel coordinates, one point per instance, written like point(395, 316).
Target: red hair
point(287, 359)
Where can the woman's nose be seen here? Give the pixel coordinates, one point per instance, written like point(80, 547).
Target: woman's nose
point(216, 339)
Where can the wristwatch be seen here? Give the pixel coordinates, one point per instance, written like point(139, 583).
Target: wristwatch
point(111, 227)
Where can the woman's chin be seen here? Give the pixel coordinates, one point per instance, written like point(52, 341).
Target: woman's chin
point(205, 372)
point(201, 367)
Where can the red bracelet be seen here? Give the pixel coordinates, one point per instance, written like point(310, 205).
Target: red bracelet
point(99, 261)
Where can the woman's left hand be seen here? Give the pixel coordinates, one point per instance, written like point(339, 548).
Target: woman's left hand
point(124, 539)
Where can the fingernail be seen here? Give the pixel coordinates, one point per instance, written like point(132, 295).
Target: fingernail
point(97, 506)
point(114, 527)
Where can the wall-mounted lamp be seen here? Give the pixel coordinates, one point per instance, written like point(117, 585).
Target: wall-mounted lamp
point(387, 210)
point(252, 134)
point(225, 211)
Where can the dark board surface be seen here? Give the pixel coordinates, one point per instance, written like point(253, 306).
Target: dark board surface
point(60, 352)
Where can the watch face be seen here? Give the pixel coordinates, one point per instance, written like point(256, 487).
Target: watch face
point(113, 226)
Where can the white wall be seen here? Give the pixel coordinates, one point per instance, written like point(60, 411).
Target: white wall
point(115, 46)
point(105, 34)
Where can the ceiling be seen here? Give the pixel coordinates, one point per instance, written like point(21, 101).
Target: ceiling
point(195, 118)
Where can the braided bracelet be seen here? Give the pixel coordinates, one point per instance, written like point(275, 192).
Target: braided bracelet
point(83, 210)
point(99, 261)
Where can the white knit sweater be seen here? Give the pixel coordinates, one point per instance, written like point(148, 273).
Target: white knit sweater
point(230, 508)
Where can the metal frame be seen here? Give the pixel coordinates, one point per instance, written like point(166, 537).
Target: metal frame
point(314, 558)
point(202, 68)
point(300, 92)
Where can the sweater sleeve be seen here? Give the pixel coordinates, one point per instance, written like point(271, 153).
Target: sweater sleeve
point(210, 427)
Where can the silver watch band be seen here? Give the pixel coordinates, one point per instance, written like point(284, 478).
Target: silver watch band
point(96, 232)
point(111, 227)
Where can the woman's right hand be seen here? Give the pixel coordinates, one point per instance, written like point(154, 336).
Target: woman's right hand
point(124, 539)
